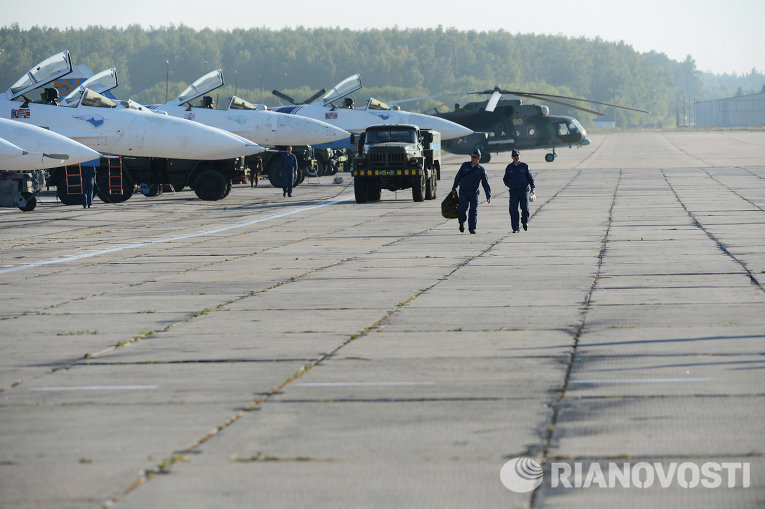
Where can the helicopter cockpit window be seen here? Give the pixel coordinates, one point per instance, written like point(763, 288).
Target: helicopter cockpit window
point(374, 104)
point(91, 98)
point(391, 135)
point(51, 67)
point(206, 83)
point(237, 103)
point(345, 87)
point(563, 130)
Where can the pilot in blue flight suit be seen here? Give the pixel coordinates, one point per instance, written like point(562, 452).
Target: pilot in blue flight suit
point(468, 177)
point(88, 174)
point(518, 178)
point(289, 167)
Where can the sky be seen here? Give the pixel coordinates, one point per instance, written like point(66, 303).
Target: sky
point(722, 37)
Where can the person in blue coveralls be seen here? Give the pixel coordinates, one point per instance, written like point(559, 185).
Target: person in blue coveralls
point(88, 174)
point(468, 177)
point(289, 167)
point(518, 178)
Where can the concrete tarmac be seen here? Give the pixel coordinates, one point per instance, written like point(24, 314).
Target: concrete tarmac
point(312, 352)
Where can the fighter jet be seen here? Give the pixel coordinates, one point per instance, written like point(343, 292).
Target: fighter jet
point(253, 122)
point(97, 122)
point(39, 148)
point(356, 120)
point(9, 150)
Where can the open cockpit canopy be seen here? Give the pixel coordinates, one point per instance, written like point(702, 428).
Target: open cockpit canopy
point(205, 84)
point(345, 87)
point(43, 73)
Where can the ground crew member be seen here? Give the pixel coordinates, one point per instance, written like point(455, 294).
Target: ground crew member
point(468, 177)
point(518, 178)
point(289, 168)
point(88, 174)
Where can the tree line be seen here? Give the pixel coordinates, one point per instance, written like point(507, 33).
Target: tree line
point(158, 63)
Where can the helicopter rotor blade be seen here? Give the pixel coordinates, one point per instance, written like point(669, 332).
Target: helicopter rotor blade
point(315, 96)
point(569, 105)
point(284, 96)
point(493, 100)
point(542, 97)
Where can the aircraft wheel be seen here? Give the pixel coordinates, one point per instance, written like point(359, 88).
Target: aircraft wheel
point(550, 157)
point(27, 202)
point(485, 156)
point(210, 185)
point(360, 189)
point(418, 188)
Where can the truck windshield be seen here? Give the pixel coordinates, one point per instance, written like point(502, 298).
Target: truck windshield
point(388, 135)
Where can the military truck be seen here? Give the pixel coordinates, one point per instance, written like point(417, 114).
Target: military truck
point(117, 178)
point(396, 157)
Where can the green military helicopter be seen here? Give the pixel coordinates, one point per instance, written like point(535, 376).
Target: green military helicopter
point(504, 124)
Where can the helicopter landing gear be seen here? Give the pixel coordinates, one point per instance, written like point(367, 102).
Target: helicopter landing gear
point(551, 157)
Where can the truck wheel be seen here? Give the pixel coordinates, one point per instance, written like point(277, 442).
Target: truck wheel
point(210, 185)
point(360, 189)
point(418, 188)
point(67, 199)
point(430, 192)
point(274, 172)
point(437, 166)
point(373, 190)
point(102, 189)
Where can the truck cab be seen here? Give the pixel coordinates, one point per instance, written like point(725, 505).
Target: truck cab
point(396, 157)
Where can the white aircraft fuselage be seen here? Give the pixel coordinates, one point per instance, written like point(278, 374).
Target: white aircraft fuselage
point(357, 120)
point(128, 132)
point(40, 148)
point(264, 127)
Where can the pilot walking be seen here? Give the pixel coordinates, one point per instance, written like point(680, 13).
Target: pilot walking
point(289, 168)
point(468, 177)
point(518, 178)
point(88, 174)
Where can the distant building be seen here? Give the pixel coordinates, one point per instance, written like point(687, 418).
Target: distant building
point(604, 123)
point(746, 110)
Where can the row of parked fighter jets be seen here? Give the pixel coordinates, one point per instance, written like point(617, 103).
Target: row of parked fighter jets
point(86, 124)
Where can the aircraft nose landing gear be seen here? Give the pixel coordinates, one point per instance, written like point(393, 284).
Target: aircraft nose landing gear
point(551, 156)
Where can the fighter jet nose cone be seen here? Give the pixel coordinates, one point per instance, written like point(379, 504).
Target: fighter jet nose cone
point(335, 133)
point(185, 139)
point(585, 141)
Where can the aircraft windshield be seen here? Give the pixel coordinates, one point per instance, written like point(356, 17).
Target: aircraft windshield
point(345, 87)
point(206, 83)
point(374, 104)
point(101, 82)
point(237, 103)
point(91, 98)
point(394, 135)
point(130, 104)
point(47, 70)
